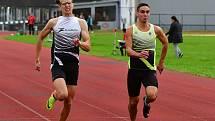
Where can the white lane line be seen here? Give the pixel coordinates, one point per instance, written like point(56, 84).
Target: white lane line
point(106, 111)
point(37, 83)
point(84, 102)
point(25, 106)
point(26, 119)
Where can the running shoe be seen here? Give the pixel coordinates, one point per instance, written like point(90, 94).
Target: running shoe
point(50, 102)
point(181, 55)
point(146, 108)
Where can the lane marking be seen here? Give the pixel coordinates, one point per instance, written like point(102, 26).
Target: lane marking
point(106, 111)
point(84, 102)
point(25, 106)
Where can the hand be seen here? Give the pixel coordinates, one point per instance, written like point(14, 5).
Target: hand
point(37, 65)
point(144, 54)
point(160, 67)
point(77, 42)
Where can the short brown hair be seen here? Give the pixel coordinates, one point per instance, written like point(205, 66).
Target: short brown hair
point(142, 4)
point(58, 2)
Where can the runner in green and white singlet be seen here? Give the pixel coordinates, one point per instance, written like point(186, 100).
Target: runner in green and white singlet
point(140, 45)
point(143, 41)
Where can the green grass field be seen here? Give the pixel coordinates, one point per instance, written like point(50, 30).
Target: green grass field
point(198, 51)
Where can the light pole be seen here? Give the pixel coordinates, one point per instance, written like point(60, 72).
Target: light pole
point(3, 17)
point(130, 14)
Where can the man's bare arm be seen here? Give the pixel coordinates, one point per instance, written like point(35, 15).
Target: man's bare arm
point(163, 39)
point(130, 51)
point(46, 30)
point(85, 45)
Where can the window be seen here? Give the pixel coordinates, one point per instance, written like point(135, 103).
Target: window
point(107, 13)
point(78, 1)
point(82, 12)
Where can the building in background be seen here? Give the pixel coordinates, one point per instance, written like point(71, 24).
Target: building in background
point(14, 13)
point(109, 14)
point(193, 14)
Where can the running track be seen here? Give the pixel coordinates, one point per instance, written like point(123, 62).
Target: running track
point(101, 94)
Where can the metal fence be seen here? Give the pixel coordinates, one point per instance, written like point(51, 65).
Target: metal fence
point(15, 18)
point(202, 22)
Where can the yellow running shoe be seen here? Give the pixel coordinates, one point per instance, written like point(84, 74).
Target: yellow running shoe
point(50, 102)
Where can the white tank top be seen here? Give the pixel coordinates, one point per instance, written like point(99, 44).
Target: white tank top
point(65, 31)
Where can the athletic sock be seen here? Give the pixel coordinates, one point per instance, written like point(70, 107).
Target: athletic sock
point(54, 97)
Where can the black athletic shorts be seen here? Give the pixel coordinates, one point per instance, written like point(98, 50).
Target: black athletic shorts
point(138, 77)
point(67, 67)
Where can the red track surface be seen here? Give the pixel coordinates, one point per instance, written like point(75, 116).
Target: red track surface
point(101, 94)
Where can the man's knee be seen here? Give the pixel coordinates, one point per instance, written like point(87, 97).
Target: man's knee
point(151, 93)
point(61, 95)
point(151, 98)
point(133, 102)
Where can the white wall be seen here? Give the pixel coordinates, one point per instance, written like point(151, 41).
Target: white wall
point(127, 12)
point(193, 14)
point(181, 6)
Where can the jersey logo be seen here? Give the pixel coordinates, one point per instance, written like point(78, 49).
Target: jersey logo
point(60, 29)
point(135, 32)
point(68, 30)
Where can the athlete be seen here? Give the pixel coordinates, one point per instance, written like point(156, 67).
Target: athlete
point(141, 45)
point(68, 32)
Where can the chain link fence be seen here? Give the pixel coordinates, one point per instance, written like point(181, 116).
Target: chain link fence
point(190, 22)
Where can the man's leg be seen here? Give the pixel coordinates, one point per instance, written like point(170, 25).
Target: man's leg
point(67, 103)
point(60, 93)
point(32, 29)
point(132, 107)
point(134, 86)
point(121, 50)
point(29, 29)
point(91, 27)
point(151, 95)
